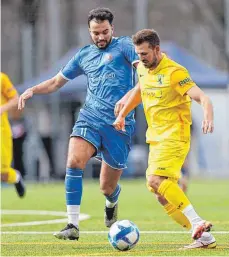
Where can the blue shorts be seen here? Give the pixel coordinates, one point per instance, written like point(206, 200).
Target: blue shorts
point(112, 146)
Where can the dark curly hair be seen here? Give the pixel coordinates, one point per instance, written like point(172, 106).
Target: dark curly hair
point(100, 15)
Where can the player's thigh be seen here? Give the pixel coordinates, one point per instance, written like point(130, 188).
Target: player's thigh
point(6, 153)
point(116, 146)
point(84, 143)
point(79, 152)
point(167, 158)
point(109, 178)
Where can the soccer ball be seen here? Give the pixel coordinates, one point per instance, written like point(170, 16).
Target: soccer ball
point(123, 235)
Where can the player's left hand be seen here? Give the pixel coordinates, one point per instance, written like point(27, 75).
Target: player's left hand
point(119, 123)
point(118, 107)
point(207, 126)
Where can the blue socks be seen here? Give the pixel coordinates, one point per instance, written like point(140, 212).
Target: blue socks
point(113, 198)
point(73, 186)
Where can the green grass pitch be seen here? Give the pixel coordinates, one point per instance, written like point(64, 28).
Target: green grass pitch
point(137, 204)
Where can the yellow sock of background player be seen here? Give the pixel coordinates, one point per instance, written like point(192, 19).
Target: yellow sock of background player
point(13, 176)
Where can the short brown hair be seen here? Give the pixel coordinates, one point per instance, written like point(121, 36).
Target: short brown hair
point(146, 35)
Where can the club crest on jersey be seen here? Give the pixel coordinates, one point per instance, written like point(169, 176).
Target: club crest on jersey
point(160, 79)
point(107, 58)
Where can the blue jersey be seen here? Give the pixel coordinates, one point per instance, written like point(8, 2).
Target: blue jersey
point(110, 76)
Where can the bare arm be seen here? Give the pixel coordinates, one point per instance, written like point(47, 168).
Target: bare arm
point(10, 105)
point(46, 87)
point(199, 96)
point(121, 103)
point(50, 85)
point(133, 101)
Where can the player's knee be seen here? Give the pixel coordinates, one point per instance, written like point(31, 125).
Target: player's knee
point(75, 162)
point(150, 188)
point(161, 199)
point(154, 182)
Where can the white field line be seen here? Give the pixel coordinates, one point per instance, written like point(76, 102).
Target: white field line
point(59, 213)
point(33, 212)
point(82, 216)
point(104, 232)
point(35, 223)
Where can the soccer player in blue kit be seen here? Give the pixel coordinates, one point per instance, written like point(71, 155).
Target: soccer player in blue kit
point(108, 64)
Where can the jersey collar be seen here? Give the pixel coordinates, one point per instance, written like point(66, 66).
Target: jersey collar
point(160, 65)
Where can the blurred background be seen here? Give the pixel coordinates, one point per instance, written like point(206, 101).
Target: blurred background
point(40, 36)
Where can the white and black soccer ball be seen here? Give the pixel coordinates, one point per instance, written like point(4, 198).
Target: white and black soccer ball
point(123, 235)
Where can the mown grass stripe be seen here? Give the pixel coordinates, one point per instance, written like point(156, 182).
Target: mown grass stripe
point(104, 232)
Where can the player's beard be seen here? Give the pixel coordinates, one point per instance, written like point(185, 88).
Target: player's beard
point(151, 65)
point(104, 45)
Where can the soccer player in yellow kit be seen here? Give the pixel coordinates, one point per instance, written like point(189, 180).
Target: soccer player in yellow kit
point(9, 99)
point(166, 90)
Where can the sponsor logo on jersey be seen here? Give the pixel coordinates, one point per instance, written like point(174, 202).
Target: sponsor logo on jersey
point(151, 92)
point(102, 77)
point(185, 81)
point(161, 168)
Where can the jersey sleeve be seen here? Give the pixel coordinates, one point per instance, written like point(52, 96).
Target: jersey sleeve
point(129, 51)
point(73, 68)
point(8, 90)
point(181, 81)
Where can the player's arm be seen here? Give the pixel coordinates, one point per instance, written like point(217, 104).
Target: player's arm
point(10, 105)
point(69, 72)
point(133, 101)
point(200, 97)
point(120, 104)
point(46, 87)
point(9, 92)
point(183, 84)
point(50, 85)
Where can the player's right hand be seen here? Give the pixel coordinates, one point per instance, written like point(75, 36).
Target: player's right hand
point(119, 123)
point(118, 107)
point(207, 126)
point(25, 96)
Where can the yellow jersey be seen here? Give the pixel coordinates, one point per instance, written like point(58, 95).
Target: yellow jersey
point(167, 108)
point(8, 92)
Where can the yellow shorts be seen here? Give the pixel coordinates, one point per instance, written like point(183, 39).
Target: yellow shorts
point(166, 158)
point(6, 153)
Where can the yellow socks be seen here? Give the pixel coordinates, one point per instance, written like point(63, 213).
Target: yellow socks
point(177, 215)
point(173, 194)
